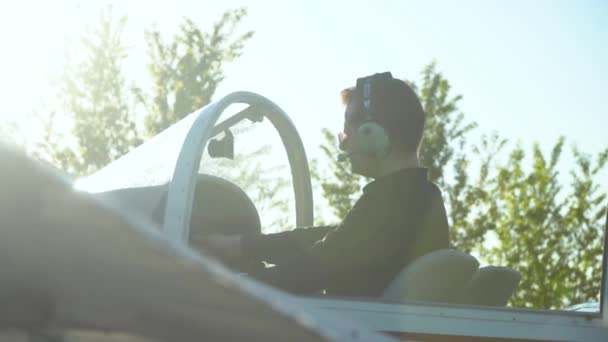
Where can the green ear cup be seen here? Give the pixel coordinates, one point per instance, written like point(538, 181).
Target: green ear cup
point(373, 140)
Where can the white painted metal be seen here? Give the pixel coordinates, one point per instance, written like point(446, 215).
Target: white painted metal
point(437, 319)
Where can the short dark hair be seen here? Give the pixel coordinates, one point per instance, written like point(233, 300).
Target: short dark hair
point(397, 109)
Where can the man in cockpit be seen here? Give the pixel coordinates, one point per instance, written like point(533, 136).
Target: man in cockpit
point(399, 217)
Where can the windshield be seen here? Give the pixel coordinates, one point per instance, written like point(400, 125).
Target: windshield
point(150, 164)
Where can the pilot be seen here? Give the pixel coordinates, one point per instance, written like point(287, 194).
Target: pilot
point(399, 217)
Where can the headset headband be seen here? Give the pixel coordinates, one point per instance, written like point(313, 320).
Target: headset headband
point(366, 87)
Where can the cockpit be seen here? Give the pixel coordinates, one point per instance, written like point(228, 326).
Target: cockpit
point(170, 182)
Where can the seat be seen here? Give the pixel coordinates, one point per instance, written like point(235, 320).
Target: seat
point(222, 207)
point(218, 207)
point(440, 276)
point(492, 285)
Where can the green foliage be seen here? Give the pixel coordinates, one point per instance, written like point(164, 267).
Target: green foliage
point(553, 236)
point(186, 71)
point(445, 129)
point(98, 104)
point(101, 108)
point(469, 201)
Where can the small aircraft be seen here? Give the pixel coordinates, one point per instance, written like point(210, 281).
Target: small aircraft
point(109, 257)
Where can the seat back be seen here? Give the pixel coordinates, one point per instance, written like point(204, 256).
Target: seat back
point(222, 207)
point(440, 276)
point(492, 285)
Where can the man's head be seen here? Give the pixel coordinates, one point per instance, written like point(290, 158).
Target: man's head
point(396, 110)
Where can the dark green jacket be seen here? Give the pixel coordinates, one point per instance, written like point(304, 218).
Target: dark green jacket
point(398, 218)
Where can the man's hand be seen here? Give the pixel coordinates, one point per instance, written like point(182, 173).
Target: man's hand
point(225, 247)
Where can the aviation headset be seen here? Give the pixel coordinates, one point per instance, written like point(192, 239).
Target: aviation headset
point(371, 137)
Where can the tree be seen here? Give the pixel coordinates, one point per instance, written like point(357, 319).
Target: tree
point(97, 104)
point(551, 236)
point(186, 71)
point(444, 126)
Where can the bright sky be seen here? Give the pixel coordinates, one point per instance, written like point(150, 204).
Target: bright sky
point(531, 70)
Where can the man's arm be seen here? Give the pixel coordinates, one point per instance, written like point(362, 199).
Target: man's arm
point(272, 248)
point(278, 247)
point(355, 248)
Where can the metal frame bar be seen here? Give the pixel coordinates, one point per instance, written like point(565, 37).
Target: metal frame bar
point(181, 190)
